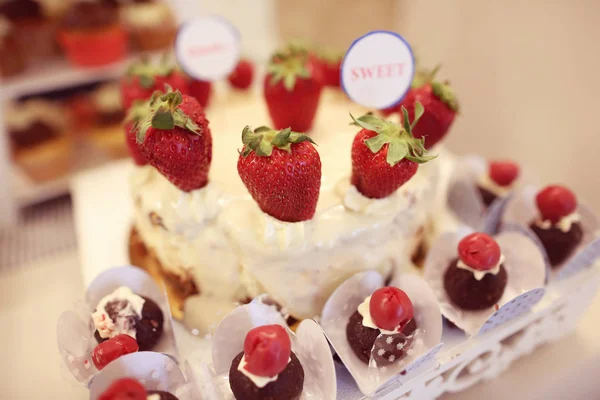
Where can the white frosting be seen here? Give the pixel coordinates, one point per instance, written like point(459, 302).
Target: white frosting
point(145, 14)
point(108, 98)
point(500, 191)
point(23, 115)
point(480, 274)
point(108, 328)
point(259, 381)
point(154, 396)
point(564, 224)
point(364, 311)
point(220, 236)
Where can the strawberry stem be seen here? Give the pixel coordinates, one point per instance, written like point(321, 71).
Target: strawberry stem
point(288, 66)
point(263, 139)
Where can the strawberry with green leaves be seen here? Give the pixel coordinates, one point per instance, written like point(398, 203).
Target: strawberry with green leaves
point(292, 91)
point(329, 63)
point(136, 113)
point(385, 155)
point(441, 106)
point(144, 78)
point(282, 172)
point(174, 137)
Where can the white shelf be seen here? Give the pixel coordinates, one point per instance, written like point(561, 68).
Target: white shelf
point(58, 74)
point(28, 192)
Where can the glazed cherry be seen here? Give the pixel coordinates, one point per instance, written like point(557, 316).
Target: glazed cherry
point(503, 173)
point(479, 251)
point(124, 389)
point(555, 202)
point(390, 308)
point(267, 350)
point(113, 348)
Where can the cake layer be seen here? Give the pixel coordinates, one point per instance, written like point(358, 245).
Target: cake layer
point(232, 250)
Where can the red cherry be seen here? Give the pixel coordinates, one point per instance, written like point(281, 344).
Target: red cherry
point(555, 202)
point(124, 389)
point(390, 308)
point(479, 251)
point(113, 348)
point(267, 350)
point(503, 172)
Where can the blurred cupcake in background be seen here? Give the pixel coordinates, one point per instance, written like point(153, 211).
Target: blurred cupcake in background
point(11, 58)
point(106, 100)
point(151, 24)
point(39, 144)
point(91, 34)
point(35, 33)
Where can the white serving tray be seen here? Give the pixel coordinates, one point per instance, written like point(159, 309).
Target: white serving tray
point(103, 213)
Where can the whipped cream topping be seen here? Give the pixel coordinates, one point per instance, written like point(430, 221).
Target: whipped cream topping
point(23, 115)
point(355, 201)
point(480, 274)
point(564, 224)
point(154, 396)
point(501, 191)
point(107, 98)
point(364, 311)
point(279, 233)
point(145, 14)
point(123, 323)
point(259, 381)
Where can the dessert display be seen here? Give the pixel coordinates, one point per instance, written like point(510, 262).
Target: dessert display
point(144, 77)
point(256, 357)
point(91, 34)
point(242, 76)
point(473, 274)
point(292, 92)
point(38, 140)
point(476, 279)
point(151, 24)
point(558, 226)
point(124, 312)
point(378, 331)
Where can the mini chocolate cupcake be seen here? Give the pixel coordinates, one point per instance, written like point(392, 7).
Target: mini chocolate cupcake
point(498, 182)
point(267, 369)
point(382, 327)
point(558, 226)
point(476, 279)
point(123, 312)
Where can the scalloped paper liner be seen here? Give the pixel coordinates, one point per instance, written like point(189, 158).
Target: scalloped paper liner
point(309, 345)
point(153, 370)
point(75, 329)
point(465, 200)
point(525, 266)
point(344, 302)
point(521, 210)
point(513, 309)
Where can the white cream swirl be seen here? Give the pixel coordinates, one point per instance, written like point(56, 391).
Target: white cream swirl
point(123, 322)
point(501, 191)
point(480, 274)
point(259, 381)
point(564, 224)
point(365, 311)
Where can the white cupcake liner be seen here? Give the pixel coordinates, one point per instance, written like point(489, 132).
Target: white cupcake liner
point(344, 302)
point(154, 371)
point(308, 343)
point(524, 262)
point(522, 210)
point(75, 328)
point(465, 200)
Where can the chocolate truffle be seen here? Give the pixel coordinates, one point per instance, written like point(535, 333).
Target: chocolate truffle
point(487, 196)
point(468, 293)
point(161, 395)
point(288, 386)
point(558, 244)
point(149, 327)
point(386, 350)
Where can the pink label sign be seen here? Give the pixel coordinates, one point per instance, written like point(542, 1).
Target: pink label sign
point(207, 48)
point(378, 69)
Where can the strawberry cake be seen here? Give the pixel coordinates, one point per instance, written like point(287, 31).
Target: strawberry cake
point(227, 208)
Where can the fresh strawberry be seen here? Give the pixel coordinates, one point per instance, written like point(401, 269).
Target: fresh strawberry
point(201, 91)
point(291, 91)
point(385, 155)
point(136, 113)
point(282, 172)
point(329, 63)
point(175, 139)
point(241, 77)
point(440, 105)
point(144, 78)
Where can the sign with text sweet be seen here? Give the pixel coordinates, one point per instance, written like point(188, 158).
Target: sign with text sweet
point(207, 48)
point(378, 69)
